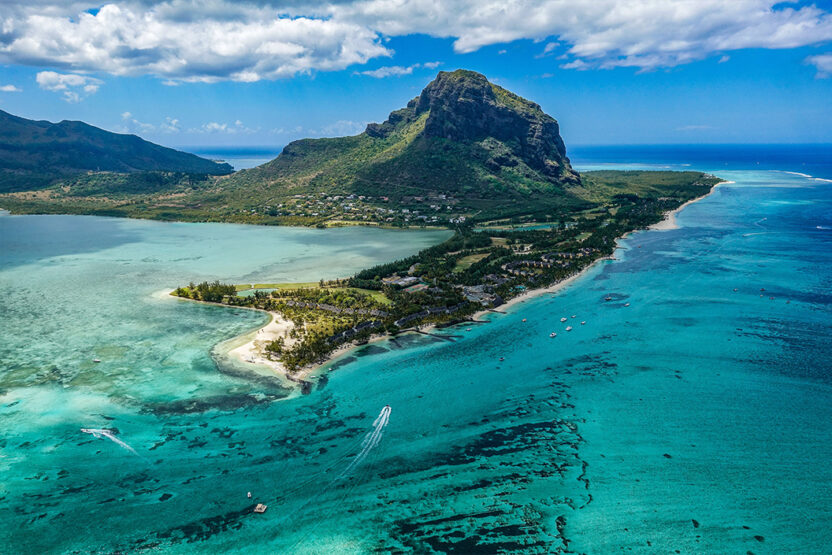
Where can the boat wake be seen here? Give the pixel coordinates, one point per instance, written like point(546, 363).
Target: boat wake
point(370, 440)
point(102, 433)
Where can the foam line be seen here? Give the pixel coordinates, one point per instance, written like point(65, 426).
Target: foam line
point(101, 433)
point(372, 439)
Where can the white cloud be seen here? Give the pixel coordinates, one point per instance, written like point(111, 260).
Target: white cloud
point(133, 125)
point(215, 127)
point(580, 65)
point(73, 86)
point(604, 33)
point(724, 59)
point(823, 63)
point(397, 71)
point(388, 71)
point(250, 40)
point(548, 49)
point(342, 128)
point(183, 40)
point(9, 88)
point(170, 125)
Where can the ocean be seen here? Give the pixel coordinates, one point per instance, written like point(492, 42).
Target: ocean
point(691, 412)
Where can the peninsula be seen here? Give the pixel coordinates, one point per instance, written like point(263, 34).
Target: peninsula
point(464, 154)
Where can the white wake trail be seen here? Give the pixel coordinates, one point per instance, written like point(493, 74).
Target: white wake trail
point(370, 440)
point(101, 433)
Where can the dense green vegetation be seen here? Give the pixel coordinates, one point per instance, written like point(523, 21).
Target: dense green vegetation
point(37, 154)
point(473, 270)
point(212, 292)
point(464, 150)
point(464, 154)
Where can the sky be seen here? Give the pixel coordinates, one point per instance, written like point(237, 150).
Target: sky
point(191, 73)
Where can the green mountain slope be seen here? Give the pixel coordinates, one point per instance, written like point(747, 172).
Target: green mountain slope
point(463, 136)
point(34, 153)
point(464, 151)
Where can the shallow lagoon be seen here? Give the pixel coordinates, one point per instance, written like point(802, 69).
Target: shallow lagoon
point(695, 403)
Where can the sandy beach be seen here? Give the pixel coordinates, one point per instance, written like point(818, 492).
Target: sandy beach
point(532, 293)
point(669, 221)
point(254, 350)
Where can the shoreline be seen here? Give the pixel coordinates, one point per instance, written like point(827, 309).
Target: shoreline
point(669, 221)
point(532, 293)
point(252, 351)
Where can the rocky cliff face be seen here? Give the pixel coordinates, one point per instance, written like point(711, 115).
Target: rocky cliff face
point(463, 106)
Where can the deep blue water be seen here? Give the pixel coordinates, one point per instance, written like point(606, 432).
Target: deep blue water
point(697, 419)
point(811, 159)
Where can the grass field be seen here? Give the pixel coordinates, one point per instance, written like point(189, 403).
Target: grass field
point(467, 261)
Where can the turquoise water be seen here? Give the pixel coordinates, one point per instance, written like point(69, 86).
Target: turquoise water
point(698, 418)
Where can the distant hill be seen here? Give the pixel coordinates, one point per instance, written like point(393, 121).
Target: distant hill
point(462, 136)
point(33, 154)
point(463, 152)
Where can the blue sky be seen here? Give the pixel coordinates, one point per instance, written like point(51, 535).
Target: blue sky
point(215, 72)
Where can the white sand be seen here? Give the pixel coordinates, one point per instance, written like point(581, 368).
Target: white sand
point(669, 221)
point(254, 351)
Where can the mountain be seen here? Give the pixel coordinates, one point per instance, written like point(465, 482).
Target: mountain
point(462, 136)
point(35, 153)
point(463, 151)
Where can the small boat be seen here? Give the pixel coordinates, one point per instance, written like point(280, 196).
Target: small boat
point(735, 289)
point(502, 359)
point(248, 495)
point(467, 329)
point(524, 319)
point(563, 319)
point(626, 304)
point(608, 298)
point(260, 508)
point(574, 316)
point(96, 360)
point(583, 323)
point(568, 328)
point(553, 334)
